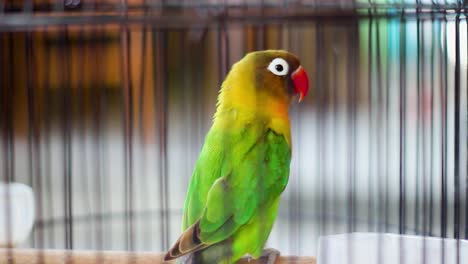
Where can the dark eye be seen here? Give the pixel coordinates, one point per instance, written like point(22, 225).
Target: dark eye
point(279, 67)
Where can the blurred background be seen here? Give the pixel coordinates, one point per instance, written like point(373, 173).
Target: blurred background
point(105, 105)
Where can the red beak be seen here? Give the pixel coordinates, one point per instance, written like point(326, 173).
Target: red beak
point(301, 82)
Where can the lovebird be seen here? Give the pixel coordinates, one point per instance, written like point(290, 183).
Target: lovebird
point(243, 167)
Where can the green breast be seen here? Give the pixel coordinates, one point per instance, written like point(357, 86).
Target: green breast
point(255, 161)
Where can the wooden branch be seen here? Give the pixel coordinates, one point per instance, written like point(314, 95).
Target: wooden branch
point(48, 256)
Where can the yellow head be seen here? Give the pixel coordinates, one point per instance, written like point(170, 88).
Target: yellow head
point(264, 82)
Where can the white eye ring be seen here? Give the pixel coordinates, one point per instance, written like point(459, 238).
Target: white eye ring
point(279, 67)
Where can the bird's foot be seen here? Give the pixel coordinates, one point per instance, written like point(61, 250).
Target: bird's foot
point(269, 256)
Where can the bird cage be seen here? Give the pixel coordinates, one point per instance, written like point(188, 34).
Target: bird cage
point(104, 107)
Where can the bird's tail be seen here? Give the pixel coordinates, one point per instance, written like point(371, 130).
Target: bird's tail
point(187, 243)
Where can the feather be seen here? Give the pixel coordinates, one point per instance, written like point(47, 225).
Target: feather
point(187, 243)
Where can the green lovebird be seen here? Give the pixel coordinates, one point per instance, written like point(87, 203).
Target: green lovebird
point(243, 167)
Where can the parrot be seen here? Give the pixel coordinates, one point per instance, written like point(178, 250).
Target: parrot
point(243, 167)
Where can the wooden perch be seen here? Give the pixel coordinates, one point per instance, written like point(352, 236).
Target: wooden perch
point(48, 256)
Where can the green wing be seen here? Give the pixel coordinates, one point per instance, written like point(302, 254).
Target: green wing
point(237, 173)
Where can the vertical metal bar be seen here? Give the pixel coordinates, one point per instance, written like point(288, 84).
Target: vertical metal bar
point(3, 110)
point(370, 205)
point(226, 42)
point(466, 188)
point(220, 54)
point(223, 52)
point(160, 72)
point(7, 138)
point(297, 213)
point(456, 183)
point(402, 147)
point(388, 134)
point(423, 108)
point(431, 162)
point(261, 29)
point(10, 106)
point(99, 123)
point(332, 99)
point(80, 101)
point(351, 125)
point(141, 111)
point(444, 80)
point(421, 134)
point(31, 116)
point(10, 143)
point(320, 130)
point(402, 139)
point(66, 137)
point(187, 84)
point(352, 102)
point(127, 97)
point(35, 152)
point(378, 130)
point(418, 122)
point(104, 150)
point(379, 153)
point(48, 101)
point(456, 223)
point(444, 114)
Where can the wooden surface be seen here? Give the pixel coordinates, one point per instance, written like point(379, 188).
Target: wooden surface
point(29, 256)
